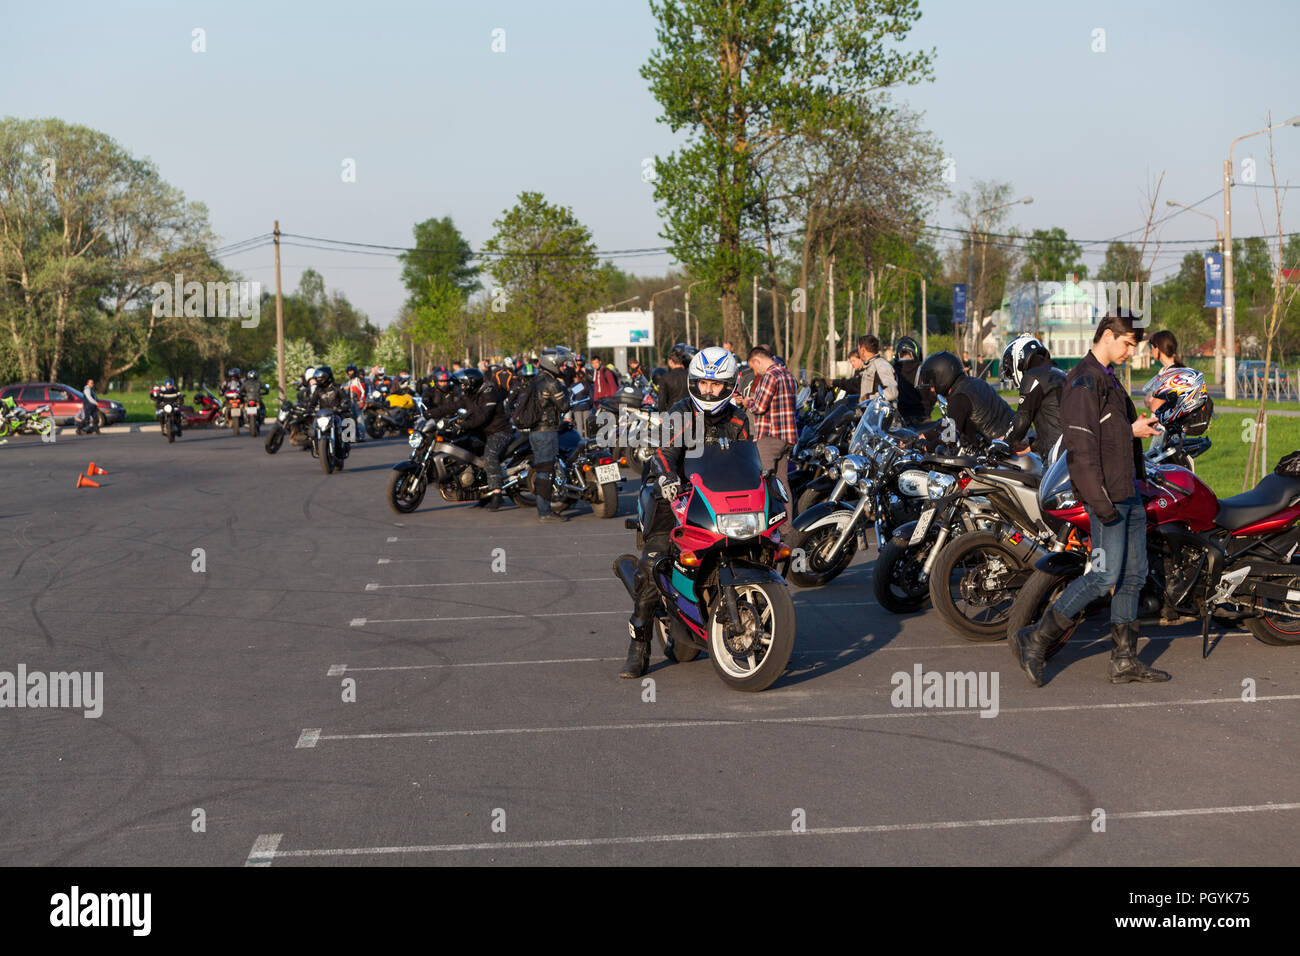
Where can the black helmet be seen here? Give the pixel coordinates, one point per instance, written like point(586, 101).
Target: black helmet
point(556, 360)
point(1019, 352)
point(658, 374)
point(325, 375)
point(906, 347)
point(251, 375)
point(352, 370)
point(470, 379)
point(940, 371)
point(441, 379)
point(233, 373)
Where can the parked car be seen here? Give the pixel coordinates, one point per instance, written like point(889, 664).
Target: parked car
point(65, 402)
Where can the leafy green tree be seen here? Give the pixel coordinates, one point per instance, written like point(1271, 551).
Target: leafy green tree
point(299, 354)
point(544, 264)
point(435, 322)
point(1123, 263)
point(441, 253)
point(740, 77)
point(1051, 256)
point(391, 350)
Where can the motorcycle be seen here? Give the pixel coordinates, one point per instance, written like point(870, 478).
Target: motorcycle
point(17, 420)
point(293, 422)
point(169, 418)
point(582, 471)
point(254, 413)
point(234, 408)
point(328, 443)
point(442, 453)
point(718, 586)
point(1232, 560)
point(813, 460)
point(206, 410)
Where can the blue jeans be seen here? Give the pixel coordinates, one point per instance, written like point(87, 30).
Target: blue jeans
point(545, 445)
point(1118, 560)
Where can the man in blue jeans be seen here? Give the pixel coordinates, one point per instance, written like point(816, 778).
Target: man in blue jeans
point(1102, 436)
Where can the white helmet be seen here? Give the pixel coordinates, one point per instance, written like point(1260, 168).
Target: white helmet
point(717, 365)
point(1015, 358)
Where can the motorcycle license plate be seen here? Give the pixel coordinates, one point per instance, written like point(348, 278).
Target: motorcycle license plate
point(922, 525)
point(607, 473)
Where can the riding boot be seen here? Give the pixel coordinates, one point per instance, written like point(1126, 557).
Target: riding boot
point(494, 500)
point(1124, 664)
point(1030, 644)
point(638, 650)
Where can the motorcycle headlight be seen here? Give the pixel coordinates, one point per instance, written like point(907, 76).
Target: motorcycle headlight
point(744, 525)
point(414, 439)
point(914, 483)
point(832, 454)
point(322, 421)
point(849, 469)
point(167, 408)
point(940, 483)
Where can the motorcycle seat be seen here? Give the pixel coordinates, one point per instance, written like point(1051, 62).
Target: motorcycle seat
point(1266, 499)
point(944, 461)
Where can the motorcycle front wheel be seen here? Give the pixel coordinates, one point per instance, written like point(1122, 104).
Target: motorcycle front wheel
point(325, 455)
point(753, 659)
point(406, 490)
point(896, 578)
point(959, 590)
point(274, 440)
point(819, 567)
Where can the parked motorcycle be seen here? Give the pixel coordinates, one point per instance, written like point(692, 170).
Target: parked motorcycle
point(718, 586)
point(294, 423)
point(1232, 560)
point(813, 459)
point(17, 420)
point(582, 472)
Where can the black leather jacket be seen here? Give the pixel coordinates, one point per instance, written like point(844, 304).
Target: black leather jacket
point(1104, 458)
point(329, 396)
point(553, 396)
point(978, 410)
point(487, 410)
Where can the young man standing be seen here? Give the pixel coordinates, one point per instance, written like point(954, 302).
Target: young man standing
point(772, 415)
point(877, 374)
point(1103, 446)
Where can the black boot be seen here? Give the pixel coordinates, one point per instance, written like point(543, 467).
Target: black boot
point(638, 651)
point(1030, 645)
point(494, 501)
point(1124, 664)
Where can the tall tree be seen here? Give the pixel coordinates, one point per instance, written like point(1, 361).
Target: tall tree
point(741, 77)
point(544, 263)
point(1051, 256)
point(442, 253)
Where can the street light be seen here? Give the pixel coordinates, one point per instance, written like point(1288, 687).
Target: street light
point(970, 265)
point(606, 308)
point(1229, 306)
point(688, 316)
point(1218, 313)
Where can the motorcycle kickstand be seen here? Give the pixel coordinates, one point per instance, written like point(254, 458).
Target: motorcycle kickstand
point(1205, 636)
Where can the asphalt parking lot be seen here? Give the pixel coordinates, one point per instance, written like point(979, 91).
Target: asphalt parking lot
point(342, 685)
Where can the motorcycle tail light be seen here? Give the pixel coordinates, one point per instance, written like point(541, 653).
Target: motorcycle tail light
point(622, 461)
point(963, 481)
point(690, 559)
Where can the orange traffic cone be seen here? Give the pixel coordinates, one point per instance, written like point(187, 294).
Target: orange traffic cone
point(84, 482)
point(94, 469)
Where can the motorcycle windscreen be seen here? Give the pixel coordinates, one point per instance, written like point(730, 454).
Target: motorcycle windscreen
point(1055, 493)
point(735, 469)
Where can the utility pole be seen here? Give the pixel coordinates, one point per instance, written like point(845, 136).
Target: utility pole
point(925, 322)
point(279, 317)
point(870, 324)
point(1229, 307)
point(755, 341)
point(830, 320)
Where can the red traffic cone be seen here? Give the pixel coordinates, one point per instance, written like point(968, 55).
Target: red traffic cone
point(94, 469)
point(84, 482)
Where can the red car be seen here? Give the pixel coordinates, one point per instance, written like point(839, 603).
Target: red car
point(65, 402)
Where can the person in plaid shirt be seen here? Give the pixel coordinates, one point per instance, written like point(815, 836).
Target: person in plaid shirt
point(772, 413)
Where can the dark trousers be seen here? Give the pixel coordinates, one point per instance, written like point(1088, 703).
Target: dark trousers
point(545, 445)
point(774, 453)
point(496, 443)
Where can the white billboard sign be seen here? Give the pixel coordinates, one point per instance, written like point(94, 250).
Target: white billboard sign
point(620, 329)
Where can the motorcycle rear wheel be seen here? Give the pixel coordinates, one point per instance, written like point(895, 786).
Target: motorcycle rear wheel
point(253, 428)
point(955, 576)
point(606, 504)
point(1276, 630)
point(819, 569)
point(768, 615)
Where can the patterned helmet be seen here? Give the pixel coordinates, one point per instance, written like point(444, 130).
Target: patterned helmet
point(714, 364)
point(1183, 392)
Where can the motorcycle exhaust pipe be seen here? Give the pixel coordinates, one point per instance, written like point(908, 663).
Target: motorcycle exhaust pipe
point(626, 568)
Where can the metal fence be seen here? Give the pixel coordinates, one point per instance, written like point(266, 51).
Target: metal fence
point(1279, 384)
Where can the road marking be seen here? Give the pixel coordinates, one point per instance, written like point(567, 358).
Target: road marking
point(383, 560)
point(473, 584)
point(829, 718)
point(337, 670)
point(263, 851)
point(361, 621)
point(391, 540)
point(786, 832)
point(307, 738)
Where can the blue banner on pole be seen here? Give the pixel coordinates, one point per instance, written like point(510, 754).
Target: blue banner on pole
point(1214, 280)
point(959, 303)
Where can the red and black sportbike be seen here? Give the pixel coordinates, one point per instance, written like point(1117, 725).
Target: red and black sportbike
point(1233, 559)
point(718, 586)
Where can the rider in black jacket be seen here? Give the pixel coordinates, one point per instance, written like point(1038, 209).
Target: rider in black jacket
point(712, 382)
point(974, 407)
point(327, 394)
point(1027, 365)
point(489, 413)
point(556, 368)
point(914, 404)
point(673, 385)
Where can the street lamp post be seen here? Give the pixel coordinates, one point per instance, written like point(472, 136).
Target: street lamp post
point(1218, 313)
point(970, 266)
point(688, 316)
point(1229, 305)
point(921, 276)
point(660, 292)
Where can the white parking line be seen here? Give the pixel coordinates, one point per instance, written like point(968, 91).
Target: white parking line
point(263, 851)
point(502, 580)
point(337, 670)
point(362, 621)
point(1073, 818)
point(741, 722)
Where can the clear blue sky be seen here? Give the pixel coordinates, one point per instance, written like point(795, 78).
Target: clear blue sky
point(258, 126)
